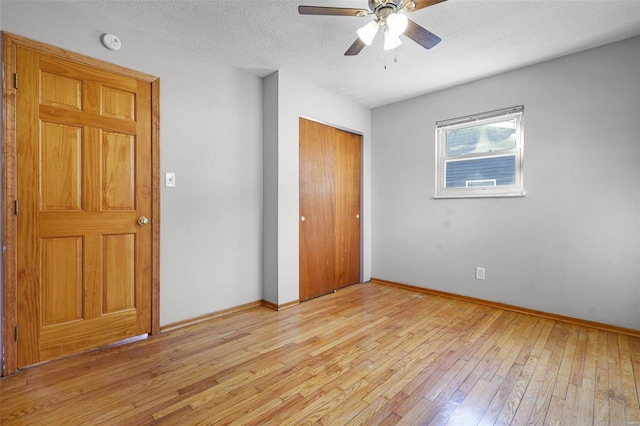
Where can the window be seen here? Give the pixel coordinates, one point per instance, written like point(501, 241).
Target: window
point(480, 155)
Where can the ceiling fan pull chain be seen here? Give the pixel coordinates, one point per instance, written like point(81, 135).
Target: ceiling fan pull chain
point(395, 60)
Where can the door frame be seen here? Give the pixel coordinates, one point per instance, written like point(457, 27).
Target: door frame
point(10, 44)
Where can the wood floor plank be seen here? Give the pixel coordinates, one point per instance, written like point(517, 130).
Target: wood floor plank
point(543, 399)
point(501, 397)
point(564, 372)
point(534, 386)
point(441, 372)
point(439, 412)
point(585, 404)
point(512, 347)
point(344, 408)
point(571, 402)
point(556, 407)
point(466, 374)
point(368, 354)
point(591, 354)
point(415, 415)
point(629, 385)
point(483, 359)
point(601, 397)
point(617, 400)
point(445, 369)
point(577, 367)
point(382, 410)
point(534, 346)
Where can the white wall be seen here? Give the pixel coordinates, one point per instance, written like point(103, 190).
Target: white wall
point(571, 245)
point(210, 136)
point(297, 98)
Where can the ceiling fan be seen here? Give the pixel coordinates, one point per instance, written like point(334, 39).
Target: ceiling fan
point(388, 14)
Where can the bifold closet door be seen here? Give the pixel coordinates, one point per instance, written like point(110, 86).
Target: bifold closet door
point(329, 209)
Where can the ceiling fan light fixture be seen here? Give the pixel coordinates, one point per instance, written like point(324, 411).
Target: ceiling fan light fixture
point(368, 32)
point(388, 14)
point(397, 23)
point(391, 41)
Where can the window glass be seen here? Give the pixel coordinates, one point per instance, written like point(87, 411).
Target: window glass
point(491, 171)
point(479, 139)
point(480, 155)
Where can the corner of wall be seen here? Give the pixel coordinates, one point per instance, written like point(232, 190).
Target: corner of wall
point(270, 188)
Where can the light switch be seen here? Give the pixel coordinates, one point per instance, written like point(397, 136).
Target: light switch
point(169, 180)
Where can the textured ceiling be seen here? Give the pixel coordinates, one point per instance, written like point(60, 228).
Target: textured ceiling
point(479, 38)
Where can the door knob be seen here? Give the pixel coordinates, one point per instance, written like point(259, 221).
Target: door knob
point(303, 218)
point(143, 221)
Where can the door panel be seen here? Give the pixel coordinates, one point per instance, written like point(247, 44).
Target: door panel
point(119, 264)
point(347, 209)
point(62, 280)
point(330, 206)
point(118, 167)
point(317, 206)
point(117, 103)
point(84, 178)
point(61, 92)
point(61, 162)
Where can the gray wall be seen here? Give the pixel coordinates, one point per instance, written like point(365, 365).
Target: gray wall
point(210, 136)
point(571, 245)
point(270, 189)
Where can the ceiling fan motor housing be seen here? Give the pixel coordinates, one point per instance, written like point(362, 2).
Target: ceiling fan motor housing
point(391, 6)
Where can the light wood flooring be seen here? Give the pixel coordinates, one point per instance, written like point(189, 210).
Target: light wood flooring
point(368, 354)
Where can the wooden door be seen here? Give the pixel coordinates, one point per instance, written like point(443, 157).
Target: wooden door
point(329, 209)
point(317, 210)
point(347, 208)
point(83, 181)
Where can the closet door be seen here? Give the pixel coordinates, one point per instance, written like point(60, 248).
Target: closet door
point(347, 208)
point(329, 209)
point(317, 207)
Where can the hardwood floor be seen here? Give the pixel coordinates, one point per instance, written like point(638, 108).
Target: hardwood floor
point(369, 354)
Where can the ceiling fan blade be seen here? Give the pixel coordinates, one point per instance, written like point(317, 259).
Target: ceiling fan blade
point(421, 4)
point(334, 11)
point(421, 36)
point(355, 48)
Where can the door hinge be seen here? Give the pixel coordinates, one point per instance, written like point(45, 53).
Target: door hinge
point(17, 333)
point(17, 207)
point(15, 80)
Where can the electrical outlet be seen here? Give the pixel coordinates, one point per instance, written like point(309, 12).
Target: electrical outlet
point(479, 273)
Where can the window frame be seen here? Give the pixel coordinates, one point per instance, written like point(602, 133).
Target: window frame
point(516, 190)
